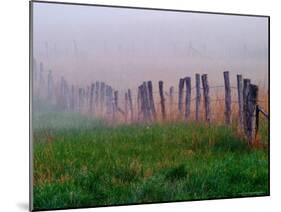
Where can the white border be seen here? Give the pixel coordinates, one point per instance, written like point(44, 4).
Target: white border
point(14, 117)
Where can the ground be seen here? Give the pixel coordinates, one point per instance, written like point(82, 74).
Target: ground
point(80, 162)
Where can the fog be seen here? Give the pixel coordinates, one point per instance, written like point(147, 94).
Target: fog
point(124, 47)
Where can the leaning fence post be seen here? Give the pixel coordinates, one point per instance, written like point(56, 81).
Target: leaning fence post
point(162, 100)
point(151, 100)
point(251, 105)
point(130, 104)
point(227, 112)
point(206, 97)
point(240, 99)
point(246, 88)
point(187, 98)
point(198, 97)
point(181, 85)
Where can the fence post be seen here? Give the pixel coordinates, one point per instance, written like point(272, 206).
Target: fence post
point(80, 99)
point(146, 101)
point(246, 89)
point(181, 85)
point(92, 98)
point(206, 97)
point(162, 100)
point(251, 105)
point(198, 97)
point(187, 98)
point(97, 88)
point(240, 99)
point(227, 112)
point(130, 104)
point(108, 101)
point(102, 91)
point(139, 103)
point(126, 107)
point(257, 120)
point(143, 103)
point(171, 100)
point(151, 100)
point(115, 105)
point(87, 97)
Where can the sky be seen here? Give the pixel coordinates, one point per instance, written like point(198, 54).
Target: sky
point(125, 47)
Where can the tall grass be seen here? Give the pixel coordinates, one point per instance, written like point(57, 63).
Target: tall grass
point(81, 162)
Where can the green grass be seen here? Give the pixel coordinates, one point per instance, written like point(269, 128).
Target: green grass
point(79, 162)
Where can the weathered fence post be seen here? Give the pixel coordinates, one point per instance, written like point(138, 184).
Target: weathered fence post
point(227, 112)
point(130, 104)
point(80, 99)
point(206, 97)
point(240, 99)
point(92, 98)
point(171, 100)
point(97, 88)
point(139, 103)
point(187, 98)
point(198, 97)
point(246, 89)
point(162, 100)
point(87, 95)
point(126, 107)
point(146, 102)
point(115, 105)
point(102, 91)
point(251, 105)
point(108, 96)
point(151, 100)
point(257, 120)
point(181, 85)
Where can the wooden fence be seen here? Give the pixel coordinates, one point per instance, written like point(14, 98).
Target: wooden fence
point(101, 100)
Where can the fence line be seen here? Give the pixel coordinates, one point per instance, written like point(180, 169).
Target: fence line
point(101, 100)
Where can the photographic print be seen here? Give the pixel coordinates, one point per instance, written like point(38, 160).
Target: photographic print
point(138, 105)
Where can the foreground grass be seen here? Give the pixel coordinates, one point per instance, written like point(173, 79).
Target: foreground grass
point(81, 163)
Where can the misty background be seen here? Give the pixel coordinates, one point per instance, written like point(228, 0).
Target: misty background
point(124, 47)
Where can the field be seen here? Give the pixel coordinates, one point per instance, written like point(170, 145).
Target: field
point(81, 162)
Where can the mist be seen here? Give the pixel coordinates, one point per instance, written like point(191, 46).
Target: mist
point(124, 47)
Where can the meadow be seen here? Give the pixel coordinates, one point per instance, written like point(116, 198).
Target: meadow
point(82, 162)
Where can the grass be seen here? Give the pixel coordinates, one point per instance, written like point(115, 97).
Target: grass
point(79, 162)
